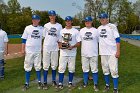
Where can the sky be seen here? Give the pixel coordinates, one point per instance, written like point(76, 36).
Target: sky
point(62, 7)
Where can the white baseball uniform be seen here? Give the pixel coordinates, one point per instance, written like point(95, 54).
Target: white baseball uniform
point(33, 36)
point(107, 49)
point(50, 47)
point(89, 49)
point(3, 39)
point(68, 56)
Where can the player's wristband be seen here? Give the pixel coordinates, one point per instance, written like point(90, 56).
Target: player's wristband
point(118, 40)
point(24, 41)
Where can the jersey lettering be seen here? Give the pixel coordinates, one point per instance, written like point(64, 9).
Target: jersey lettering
point(35, 34)
point(52, 32)
point(103, 33)
point(88, 36)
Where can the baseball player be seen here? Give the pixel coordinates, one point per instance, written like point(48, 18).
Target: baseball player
point(50, 47)
point(89, 37)
point(3, 50)
point(109, 49)
point(31, 46)
point(68, 43)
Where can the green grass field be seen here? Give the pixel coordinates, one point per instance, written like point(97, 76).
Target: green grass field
point(14, 41)
point(129, 71)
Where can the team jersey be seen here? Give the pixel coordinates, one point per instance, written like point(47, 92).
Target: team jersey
point(33, 36)
point(107, 43)
point(51, 33)
point(73, 39)
point(89, 40)
point(3, 39)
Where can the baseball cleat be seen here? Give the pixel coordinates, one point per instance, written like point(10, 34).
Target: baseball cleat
point(84, 85)
point(115, 91)
point(106, 89)
point(2, 78)
point(70, 85)
point(54, 83)
point(25, 87)
point(39, 85)
point(96, 88)
point(45, 86)
point(60, 86)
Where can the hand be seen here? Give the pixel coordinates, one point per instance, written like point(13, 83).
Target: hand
point(117, 54)
point(23, 52)
point(5, 52)
point(70, 47)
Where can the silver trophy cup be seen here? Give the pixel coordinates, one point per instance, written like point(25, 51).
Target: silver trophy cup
point(66, 39)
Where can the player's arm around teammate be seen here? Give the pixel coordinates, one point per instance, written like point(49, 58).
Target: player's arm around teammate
point(31, 47)
point(109, 49)
point(68, 43)
point(3, 50)
point(89, 52)
point(50, 47)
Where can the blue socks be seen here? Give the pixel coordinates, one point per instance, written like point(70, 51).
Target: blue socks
point(61, 77)
point(27, 77)
point(71, 76)
point(95, 78)
point(115, 82)
point(107, 81)
point(85, 76)
point(53, 75)
point(38, 73)
point(45, 74)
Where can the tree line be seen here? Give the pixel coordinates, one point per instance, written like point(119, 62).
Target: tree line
point(15, 18)
point(125, 14)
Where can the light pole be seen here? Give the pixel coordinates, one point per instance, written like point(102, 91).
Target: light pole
point(2, 2)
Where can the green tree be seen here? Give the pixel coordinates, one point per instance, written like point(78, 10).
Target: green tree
point(14, 6)
point(93, 8)
point(3, 14)
point(137, 7)
point(125, 17)
point(13, 18)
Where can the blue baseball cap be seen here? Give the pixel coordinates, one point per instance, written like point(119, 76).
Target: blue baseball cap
point(52, 12)
point(35, 17)
point(68, 18)
point(88, 18)
point(103, 15)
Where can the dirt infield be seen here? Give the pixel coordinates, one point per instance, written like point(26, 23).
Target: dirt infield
point(14, 51)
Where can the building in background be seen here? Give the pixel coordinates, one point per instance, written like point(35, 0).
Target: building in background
point(137, 30)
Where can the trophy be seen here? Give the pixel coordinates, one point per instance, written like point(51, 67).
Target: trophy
point(66, 39)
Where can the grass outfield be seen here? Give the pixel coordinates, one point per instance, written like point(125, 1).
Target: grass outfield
point(129, 71)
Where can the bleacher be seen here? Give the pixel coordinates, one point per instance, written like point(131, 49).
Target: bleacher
point(14, 36)
point(134, 37)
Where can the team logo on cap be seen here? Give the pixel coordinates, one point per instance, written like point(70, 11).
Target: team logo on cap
point(36, 17)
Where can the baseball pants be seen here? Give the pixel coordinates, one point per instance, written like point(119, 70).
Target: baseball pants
point(50, 58)
point(110, 64)
point(90, 62)
point(32, 59)
point(63, 61)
